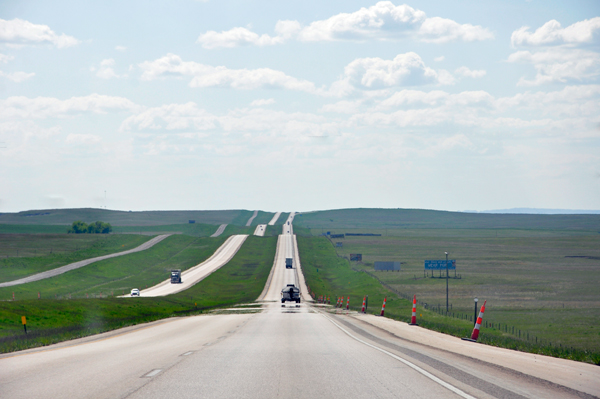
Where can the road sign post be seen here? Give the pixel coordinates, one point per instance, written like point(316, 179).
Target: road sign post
point(24, 321)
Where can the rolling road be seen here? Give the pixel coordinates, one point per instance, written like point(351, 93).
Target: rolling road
point(63, 269)
point(260, 230)
point(274, 220)
point(195, 274)
point(219, 231)
point(301, 352)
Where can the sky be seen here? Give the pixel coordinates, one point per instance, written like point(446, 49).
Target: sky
point(281, 106)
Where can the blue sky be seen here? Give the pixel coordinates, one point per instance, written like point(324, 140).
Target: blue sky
point(299, 105)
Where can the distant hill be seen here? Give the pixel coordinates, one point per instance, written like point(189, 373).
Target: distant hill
point(542, 211)
point(124, 218)
point(421, 218)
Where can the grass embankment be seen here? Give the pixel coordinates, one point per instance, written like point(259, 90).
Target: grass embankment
point(50, 321)
point(40, 252)
point(190, 229)
point(117, 276)
point(336, 277)
point(33, 228)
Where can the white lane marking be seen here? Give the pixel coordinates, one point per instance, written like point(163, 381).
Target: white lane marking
point(187, 353)
point(406, 362)
point(152, 373)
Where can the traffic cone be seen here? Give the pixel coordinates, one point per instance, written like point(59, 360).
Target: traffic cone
point(383, 307)
point(348, 304)
point(364, 304)
point(475, 333)
point(328, 301)
point(337, 302)
point(342, 302)
point(413, 319)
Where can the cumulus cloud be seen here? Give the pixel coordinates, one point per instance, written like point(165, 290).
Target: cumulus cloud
point(376, 73)
point(552, 33)
point(121, 48)
point(18, 32)
point(261, 102)
point(439, 59)
point(50, 107)
point(203, 75)
point(466, 72)
point(559, 65)
point(382, 21)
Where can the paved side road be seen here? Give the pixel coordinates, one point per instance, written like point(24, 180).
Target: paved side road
point(219, 231)
point(249, 222)
point(82, 263)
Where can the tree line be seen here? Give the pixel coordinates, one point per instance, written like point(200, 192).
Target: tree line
point(97, 227)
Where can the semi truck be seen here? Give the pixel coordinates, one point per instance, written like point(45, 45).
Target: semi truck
point(176, 276)
point(289, 262)
point(290, 293)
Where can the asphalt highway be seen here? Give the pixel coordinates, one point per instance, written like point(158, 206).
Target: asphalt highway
point(309, 351)
point(194, 275)
point(274, 220)
point(249, 222)
point(260, 230)
point(219, 231)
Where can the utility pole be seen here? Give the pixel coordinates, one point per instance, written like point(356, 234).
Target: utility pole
point(446, 282)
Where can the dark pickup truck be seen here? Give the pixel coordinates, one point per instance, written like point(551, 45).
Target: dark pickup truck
point(176, 276)
point(289, 262)
point(290, 293)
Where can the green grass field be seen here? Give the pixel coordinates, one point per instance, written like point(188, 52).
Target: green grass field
point(26, 254)
point(542, 332)
point(50, 320)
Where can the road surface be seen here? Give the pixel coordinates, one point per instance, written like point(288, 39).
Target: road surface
point(249, 222)
point(219, 231)
point(274, 220)
point(197, 273)
point(309, 351)
point(82, 263)
point(260, 230)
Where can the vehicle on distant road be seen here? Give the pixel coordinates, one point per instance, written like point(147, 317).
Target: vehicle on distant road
point(290, 293)
point(289, 262)
point(135, 292)
point(176, 276)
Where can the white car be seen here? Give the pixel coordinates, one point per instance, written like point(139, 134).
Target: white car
point(135, 292)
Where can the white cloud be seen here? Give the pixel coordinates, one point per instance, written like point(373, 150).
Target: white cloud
point(404, 70)
point(442, 30)
point(107, 71)
point(49, 107)
point(466, 72)
point(439, 59)
point(261, 102)
point(20, 32)
point(209, 76)
point(121, 48)
point(17, 77)
point(552, 33)
point(343, 107)
point(559, 65)
point(382, 21)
